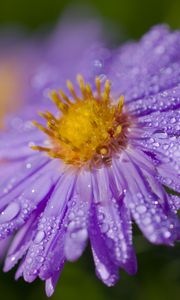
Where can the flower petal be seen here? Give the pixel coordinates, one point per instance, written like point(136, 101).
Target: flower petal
point(168, 100)
point(46, 252)
point(76, 222)
point(21, 242)
point(106, 270)
point(158, 223)
point(147, 67)
point(51, 284)
point(114, 221)
point(165, 122)
point(25, 198)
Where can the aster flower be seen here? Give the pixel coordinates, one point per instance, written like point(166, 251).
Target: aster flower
point(98, 161)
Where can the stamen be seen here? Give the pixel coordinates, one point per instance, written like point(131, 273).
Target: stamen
point(48, 116)
point(71, 89)
point(104, 151)
point(107, 88)
point(88, 91)
point(40, 148)
point(120, 103)
point(45, 130)
point(117, 130)
point(81, 83)
point(98, 85)
point(65, 98)
point(60, 105)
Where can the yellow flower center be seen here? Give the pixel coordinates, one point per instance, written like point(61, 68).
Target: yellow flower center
point(89, 129)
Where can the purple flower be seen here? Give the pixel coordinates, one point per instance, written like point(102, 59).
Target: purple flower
point(104, 155)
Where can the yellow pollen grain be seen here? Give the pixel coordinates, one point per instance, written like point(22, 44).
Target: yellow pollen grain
point(118, 130)
point(104, 151)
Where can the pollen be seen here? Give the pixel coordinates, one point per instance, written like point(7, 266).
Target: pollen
point(89, 128)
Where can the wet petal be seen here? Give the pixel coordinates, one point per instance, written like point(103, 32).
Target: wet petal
point(147, 67)
point(106, 270)
point(168, 100)
point(77, 217)
point(25, 199)
point(21, 242)
point(114, 221)
point(51, 283)
point(164, 153)
point(165, 122)
point(45, 254)
point(158, 224)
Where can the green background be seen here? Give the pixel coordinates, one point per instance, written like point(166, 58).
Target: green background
point(158, 276)
point(134, 16)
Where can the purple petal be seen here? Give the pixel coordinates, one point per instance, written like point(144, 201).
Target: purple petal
point(45, 257)
point(114, 221)
point(167, 122)
point(165, 152)
point(169, 100)
point(77, 217)
point(51, 284)
point(17, 211)
point(153, 215)
point(21, 242)
point(106, 270)
point(147, 67)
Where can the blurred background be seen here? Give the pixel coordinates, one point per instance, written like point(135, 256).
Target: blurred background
point(158, 274)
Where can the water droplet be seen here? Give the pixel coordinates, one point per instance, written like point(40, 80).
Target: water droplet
point(13, 258)
point(146, 220)
point(28, 166)
point(11, 211)
point(80, 213)
point(103, 271)
point(98, 63)
point(29, 260)
point(141, 209)
point(173, 120)
point(39, 236)
point(101, 216)
point(80, 235)
point(167, 234)
point(40, 259)
point(104, 227)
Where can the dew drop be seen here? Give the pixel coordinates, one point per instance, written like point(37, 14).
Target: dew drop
point(146, 220)
point(28, 165)
point(80, 235)
point(173, 120)
point(103, 271)
point(104, 227)
point(11, 211)
point(141, 209)
point(29, 260)
point(167, 234)
point(101, 216)
point(39, 236)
